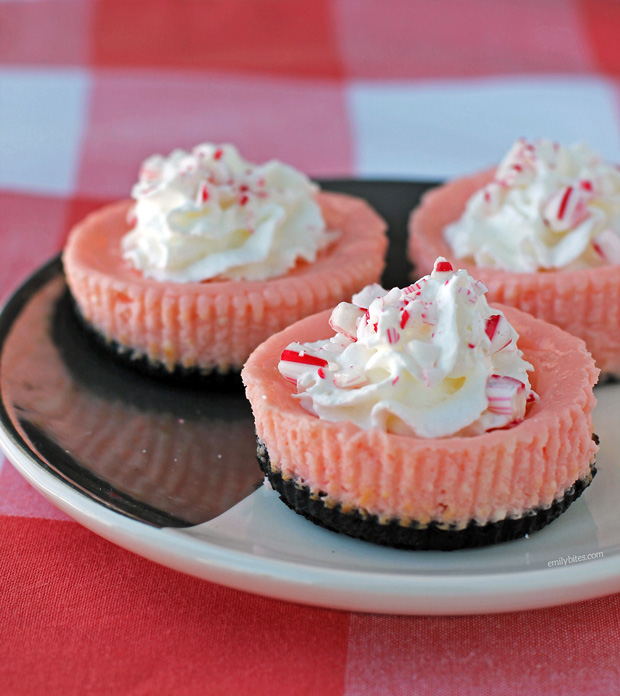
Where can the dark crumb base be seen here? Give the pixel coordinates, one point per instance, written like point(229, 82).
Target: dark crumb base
point(180, 376)
point(421, 538)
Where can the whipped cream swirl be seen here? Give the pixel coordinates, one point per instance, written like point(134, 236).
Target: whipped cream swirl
point(547, 207)
point(431, 360)
point(211, 214)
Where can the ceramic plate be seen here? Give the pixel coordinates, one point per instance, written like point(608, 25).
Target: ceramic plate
point(168, 471)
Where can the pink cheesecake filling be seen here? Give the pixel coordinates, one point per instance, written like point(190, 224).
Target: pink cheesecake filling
point(214, 324)
point(584, 302)
point(450, 480)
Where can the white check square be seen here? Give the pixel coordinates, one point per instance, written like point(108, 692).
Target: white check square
point(42, 117)
point(443, 129)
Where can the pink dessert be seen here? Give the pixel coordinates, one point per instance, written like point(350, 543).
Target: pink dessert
point(582, 297)
point(212, 324)
point(430, 492)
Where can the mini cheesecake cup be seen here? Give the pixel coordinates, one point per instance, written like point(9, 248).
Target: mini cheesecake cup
point(586, 302)
point(431, 493)
point(213, 325)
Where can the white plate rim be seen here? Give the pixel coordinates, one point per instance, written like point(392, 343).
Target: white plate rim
point(326, 587)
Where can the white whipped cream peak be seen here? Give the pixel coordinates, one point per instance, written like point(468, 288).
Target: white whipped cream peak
point(547, 207)
point(432, 360)
point(210, 214)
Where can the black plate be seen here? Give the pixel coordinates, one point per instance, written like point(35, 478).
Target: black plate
point(165, 454)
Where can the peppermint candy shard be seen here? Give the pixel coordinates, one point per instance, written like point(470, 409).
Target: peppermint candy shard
point(404, 318)
point(607, 246)
point(506, 396)
point(203, 193)
point(392, 336)
point(493, 195)
point(498, 332)
point(344, 319)
point(294, 362)
point(480, 288)
point(295, 356)
point(442, 266)
point(566, 208)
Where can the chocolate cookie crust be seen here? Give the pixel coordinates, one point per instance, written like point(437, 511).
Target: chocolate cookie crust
point(432, 536)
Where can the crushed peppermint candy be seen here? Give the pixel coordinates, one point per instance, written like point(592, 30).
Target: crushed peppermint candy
point(432, 360)
point(209, 214)
point(547, 207)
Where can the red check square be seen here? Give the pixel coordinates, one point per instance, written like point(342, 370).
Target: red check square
point(56, 32)
point(31, 229)
point(262, 36)
point(133, 627)
point(601, 20)
point(451, 38)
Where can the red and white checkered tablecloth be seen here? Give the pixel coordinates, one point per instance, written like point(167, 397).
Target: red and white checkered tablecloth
point(399, 88)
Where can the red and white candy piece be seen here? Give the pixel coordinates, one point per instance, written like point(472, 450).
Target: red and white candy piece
point(566, 208)
point(497, 329)
point(203, 193)
point(469, 294)
point(392, 336)
point(149, 175)
point(479, 288)
point(295, 360)
point(493, 195)
point(151, 168)
point(415, 290)
point(607, 246)
point(442, 266)
point(507, 396)
point(344, 319)
point(405, 315)
point(517, 166)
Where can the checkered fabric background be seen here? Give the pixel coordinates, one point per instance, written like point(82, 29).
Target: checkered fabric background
point(399, 89)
